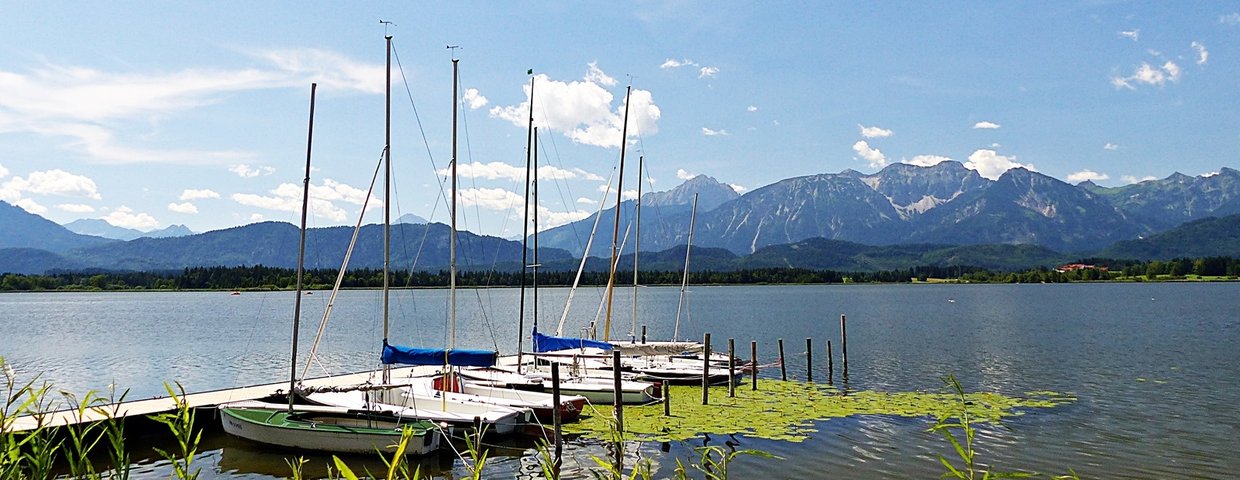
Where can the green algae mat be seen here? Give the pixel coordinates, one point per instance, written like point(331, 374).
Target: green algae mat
point(787, 410)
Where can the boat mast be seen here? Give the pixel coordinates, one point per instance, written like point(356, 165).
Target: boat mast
point(525, 230)
point(637, 245)
point(452, 239)
point(535, 266)
point(387, 197)
point(615, 234)
point(685, 281)
point(301, 253)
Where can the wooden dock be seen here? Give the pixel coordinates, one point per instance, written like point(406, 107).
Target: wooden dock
point(208, 399)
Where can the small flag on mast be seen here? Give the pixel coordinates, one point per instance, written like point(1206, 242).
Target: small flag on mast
point(530, 72)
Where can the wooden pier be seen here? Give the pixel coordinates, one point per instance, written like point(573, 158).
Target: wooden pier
point(200, 400)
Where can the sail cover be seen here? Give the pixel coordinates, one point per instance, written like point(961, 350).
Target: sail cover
point(547, 343)
point(435, 356)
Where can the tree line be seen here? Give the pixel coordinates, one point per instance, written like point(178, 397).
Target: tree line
point(259, 277)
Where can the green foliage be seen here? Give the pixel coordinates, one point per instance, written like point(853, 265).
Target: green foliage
point(960, 420)
point(181, 423)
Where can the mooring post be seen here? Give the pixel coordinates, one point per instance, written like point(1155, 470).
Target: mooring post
point(706, 370)
point(617, 401)
point(783, 369)
point(844, 342)
point(809, 359)
point(555, 416)
point(753, 362)
point(667, 399)
point(830, 364)
point(731, 368)
point(643, 334)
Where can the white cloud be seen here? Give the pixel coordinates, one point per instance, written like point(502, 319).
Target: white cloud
point(1110, 146)
point(684, 174)
point(192, 194)
point(1149, 75)
point(596, 75)
point(182, 207)
point(586, 201)
point(257, 217)
point(874, 132)
point(75, 208)
point(1203, 55)
point(1129, 179)
point(125, 217)
point(673, 63)
point(287, 198)
point(550, 219)
point(1209, 174)
point(31, 206)
point(473, 99)
point(1229, 19)
point(751, 108)
point(713, 133)
point(53, 182)
point(1087, 174)
point(708, 72)
point(500, 170)
point(490, 198)
point(1133, 34)
point(986, 125)
point(989, 164)
point(927, 160)
point(4, 172)
point(246, 171)
point(583, 111)
point(626, 195)
point(871, 155)
point(738, 188)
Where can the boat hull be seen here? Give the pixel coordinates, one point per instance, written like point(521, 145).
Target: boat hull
point(337, 432)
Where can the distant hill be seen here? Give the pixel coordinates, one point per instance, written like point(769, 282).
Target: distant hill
point(1169, 202)
point(32, 261)
point(101, 228)
point(824, 254)
point(1207, 237)
point(24, 229)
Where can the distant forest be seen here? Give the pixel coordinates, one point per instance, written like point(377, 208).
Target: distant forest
point(259, 277)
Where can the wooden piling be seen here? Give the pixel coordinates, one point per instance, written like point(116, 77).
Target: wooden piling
point(809, 359)
point(643, 334)
point(830, 364)
point(706, 370)
point(753, 362)
point(667, 399)
point(618, 398)
point(783, 369)
point(731, 368)
point(844, 342)
point(555, 417)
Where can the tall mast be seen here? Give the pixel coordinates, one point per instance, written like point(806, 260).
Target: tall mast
point(301, 253)
point(615, 234)
point(637, 244)
point(525, 230)
point(452, 240)
point(536, 264)
point(387, 195)
point(685, 281)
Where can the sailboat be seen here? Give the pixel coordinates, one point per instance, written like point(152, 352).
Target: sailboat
point(416, 396)
point(322, 428)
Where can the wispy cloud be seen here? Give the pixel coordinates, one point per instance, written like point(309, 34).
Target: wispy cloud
point(1087, 174)
point(738, 188)
point(1229, 19)
point(186, 207)
point(1110, 146)
point(1130, 179)
point(1203, 55)
point(246, 171)
point(873, 156)
point(984, 125)
point(500, 170)
point(714, 133)
point(751, 108)
point(1134, 34)
point(1149, 75)
point(684, 174)
point(673, 63)
point(75, 208)
point(30, 206)
point(874, 132)
point(705, 72)
point(584, 112)
point(990, 164)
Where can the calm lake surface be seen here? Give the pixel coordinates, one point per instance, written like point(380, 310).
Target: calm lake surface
point(1154, 366)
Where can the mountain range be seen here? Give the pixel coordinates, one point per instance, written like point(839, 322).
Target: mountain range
point(899, 217)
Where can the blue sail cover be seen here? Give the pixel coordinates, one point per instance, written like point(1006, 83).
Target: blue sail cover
point(547, 343)
point(435, 356)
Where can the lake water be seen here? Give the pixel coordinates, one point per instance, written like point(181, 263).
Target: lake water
point(1154, 365)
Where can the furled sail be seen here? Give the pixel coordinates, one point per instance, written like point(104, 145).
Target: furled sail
point(548, 343)
point(435, 356)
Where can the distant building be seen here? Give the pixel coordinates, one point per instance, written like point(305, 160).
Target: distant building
point(1078, 266)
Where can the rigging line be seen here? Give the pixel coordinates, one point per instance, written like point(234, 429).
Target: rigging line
point(560, 160)
point(421, 129)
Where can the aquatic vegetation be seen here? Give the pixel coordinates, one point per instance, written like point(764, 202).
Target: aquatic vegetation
point(788, 410)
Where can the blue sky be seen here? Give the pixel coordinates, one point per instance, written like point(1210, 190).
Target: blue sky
point(149, 114)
